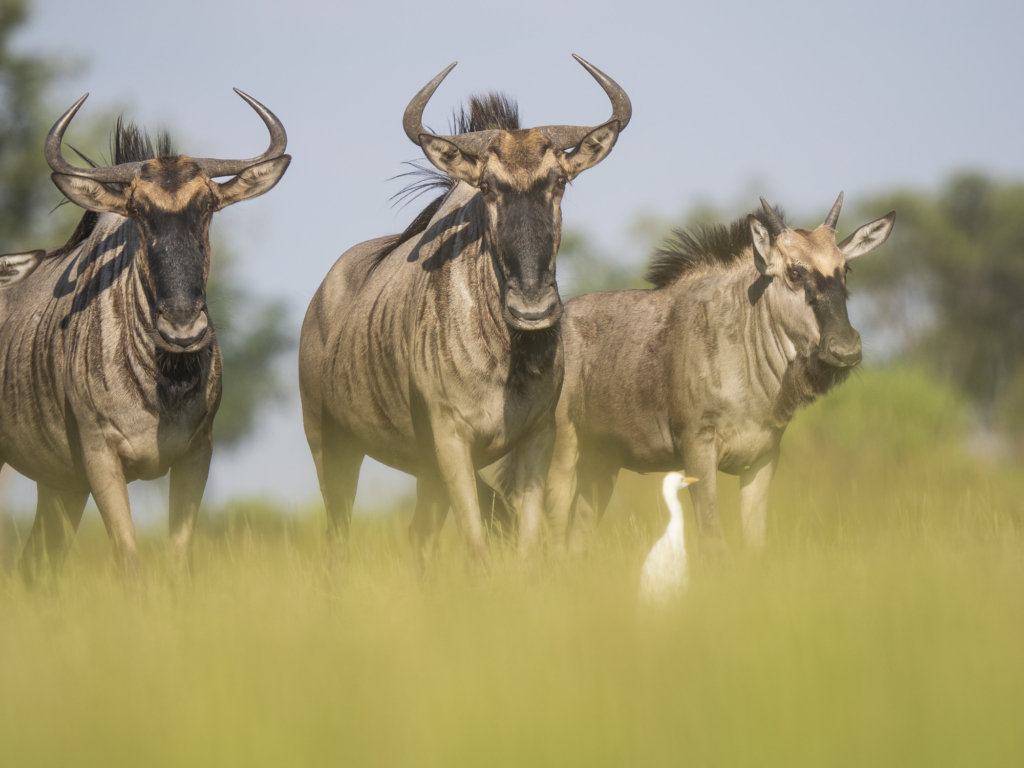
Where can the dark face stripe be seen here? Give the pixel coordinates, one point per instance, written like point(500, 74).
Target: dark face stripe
point(526, 230)
point(177, 254)
point(827, 296)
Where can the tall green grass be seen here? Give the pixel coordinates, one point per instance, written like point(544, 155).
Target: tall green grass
point(883, 626)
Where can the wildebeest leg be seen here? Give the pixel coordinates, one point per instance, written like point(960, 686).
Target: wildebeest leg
point(561, 488)
point(338, 471)
point(596, 484)
point(337, 459)
point(106, 478)
point(58, 514)
point(455, 464)
point(431, 509)
point(188, 481)
point(754, 484)
point(702, 463)
point(532, 461)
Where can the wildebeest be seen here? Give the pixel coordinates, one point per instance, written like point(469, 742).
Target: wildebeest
point(437, 350)
point(109, 364)
point(746, 324)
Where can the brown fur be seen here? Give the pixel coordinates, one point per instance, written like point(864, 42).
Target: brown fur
point(813, 249)
point(170, 184)
point(519, 158)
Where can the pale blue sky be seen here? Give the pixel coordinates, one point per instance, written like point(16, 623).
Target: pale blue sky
point(794, 100)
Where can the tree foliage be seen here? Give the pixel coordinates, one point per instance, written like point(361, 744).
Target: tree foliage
point(586, 267)
point(962, 249)
point(26, 194)
point(252, 333)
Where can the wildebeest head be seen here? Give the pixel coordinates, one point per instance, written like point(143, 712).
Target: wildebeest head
point(521, 175)
point(171, 199)
point(813, 268)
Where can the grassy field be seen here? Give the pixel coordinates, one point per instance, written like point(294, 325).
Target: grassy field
point(884, 626)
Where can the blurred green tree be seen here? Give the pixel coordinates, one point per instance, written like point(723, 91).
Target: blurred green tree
point(26, 193)
point(252, 330)
point(589, 268)
point(959, 255)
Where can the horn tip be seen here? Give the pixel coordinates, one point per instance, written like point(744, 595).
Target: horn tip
point(445, 71)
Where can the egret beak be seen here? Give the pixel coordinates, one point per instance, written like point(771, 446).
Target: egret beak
point(691, 480)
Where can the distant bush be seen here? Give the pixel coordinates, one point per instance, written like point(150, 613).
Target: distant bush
point(893, 413)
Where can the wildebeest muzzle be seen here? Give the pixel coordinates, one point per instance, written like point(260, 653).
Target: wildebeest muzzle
point(527, 241)
point(841, 351)
point(533, 310)
point(183, 327)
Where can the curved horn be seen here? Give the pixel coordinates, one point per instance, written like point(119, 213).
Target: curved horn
point(123, 173)
point(774, 223)
point(567, 136)
point(833, 216)
point(213, 167)
point(412, 120)
point(562, 136)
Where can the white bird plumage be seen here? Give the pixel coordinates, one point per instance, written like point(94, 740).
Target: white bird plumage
point(665, 571)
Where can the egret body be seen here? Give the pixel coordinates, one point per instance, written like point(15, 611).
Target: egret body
point(665, 571)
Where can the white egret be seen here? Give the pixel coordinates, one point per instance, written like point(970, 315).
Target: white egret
point(665, 571)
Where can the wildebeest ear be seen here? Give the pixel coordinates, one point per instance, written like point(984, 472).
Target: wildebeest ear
point(764, 255)
point(252, 182)
point(15, 267)
point(450, 159)
point(593, 149)
point(868, 237)
point(90, 194)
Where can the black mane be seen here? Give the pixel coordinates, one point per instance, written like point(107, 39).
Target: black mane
point(704, 245)
point(128, 144)
point(131, 144)
point(491, 111)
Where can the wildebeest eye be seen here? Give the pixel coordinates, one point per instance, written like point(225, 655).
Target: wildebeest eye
point(849, 269)
point(210, 207)
point(133, 212)
point(794, 274)
point(561, 182)
point(484, 188)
